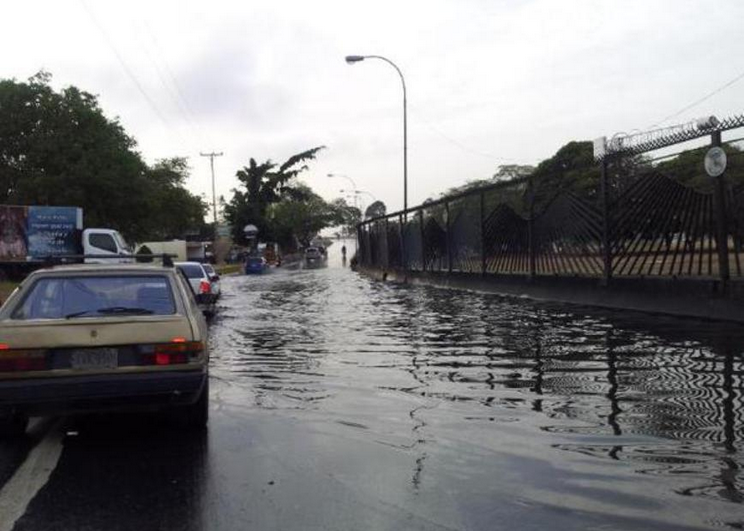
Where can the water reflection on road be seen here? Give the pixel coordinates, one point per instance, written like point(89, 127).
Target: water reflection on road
point(497, 407)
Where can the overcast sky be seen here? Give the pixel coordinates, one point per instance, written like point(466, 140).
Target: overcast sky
point(489, 82)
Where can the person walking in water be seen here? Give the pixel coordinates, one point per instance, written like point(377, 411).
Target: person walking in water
point(343, 254)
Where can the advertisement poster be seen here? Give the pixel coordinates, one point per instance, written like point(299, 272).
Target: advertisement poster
point(12, 233)
point(53, 231)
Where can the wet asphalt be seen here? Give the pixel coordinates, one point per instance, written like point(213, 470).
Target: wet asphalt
point(338, 403)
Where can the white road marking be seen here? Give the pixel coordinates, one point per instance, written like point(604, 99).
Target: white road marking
point(30, 477)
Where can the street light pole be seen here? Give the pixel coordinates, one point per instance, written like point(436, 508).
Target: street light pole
point(354, 186)
point(368, 193)
point(358, 204)
point(351, 59)
point(343, 176)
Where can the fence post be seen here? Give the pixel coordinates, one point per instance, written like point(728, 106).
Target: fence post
point(360, 251)
point(448, 238)
point(483, 232)
point(423, 243)
point(387, 244)
point(402, 234)
point(531, 229)
point(606, 251)
point(721, 227)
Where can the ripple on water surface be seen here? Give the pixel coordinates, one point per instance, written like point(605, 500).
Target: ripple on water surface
point(425, 369)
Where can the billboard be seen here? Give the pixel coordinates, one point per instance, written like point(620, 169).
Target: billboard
point(52, 231)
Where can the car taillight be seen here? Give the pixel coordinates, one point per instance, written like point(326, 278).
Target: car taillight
point(205, 286)
point(174, 353)
point(22, 360)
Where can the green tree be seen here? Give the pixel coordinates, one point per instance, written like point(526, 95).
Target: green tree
point(375, 210)
point(58, 148)
point(347, 216)
point(263, 185)
point(298, 220)
point(507, 172)
point(689, 169)
point(174, 211)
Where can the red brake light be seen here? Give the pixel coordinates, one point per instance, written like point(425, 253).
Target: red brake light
point(163, 358)
point(205, 286)
point(22, 360)
point(174, 353)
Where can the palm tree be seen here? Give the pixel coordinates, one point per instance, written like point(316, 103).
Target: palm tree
point(264, 184)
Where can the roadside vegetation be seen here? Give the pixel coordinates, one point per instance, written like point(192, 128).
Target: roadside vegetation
point(57, 148)
point(284, 209)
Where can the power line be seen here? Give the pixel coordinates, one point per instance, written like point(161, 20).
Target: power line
point(130, 73)
point(193, 132)
point(177, 94)
point(457, 143)
point(700, 100)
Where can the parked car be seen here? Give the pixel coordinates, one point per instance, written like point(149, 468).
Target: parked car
point(90, 338)
point(200, 283)
point(255, 265)
point(214, 279)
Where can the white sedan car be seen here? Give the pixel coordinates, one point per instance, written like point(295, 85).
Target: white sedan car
point(214, 278)
point(201, 284)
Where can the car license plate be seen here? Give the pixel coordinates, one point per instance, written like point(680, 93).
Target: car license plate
point(94, 358)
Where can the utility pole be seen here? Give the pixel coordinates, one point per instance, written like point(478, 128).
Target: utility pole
point(211, 156)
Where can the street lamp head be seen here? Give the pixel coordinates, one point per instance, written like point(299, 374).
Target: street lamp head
point(351, 59)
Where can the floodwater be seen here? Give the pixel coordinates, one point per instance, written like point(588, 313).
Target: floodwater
point(474, 411)
point(341, 403)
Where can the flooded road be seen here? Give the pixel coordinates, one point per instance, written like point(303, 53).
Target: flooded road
point(341, 403)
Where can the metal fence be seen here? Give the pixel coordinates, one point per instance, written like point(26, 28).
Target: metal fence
point(621, 219)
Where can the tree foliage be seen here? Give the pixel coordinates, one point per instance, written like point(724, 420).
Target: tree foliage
point(347, 216)
point(58, 148)
point(263, 185)
point(689, 168)
point(298, 220)
point(173, 210)
point(508, 172)
point(375, 210)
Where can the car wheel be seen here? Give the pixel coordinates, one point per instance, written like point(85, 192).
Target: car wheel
point(196, 416)
point(13, 425)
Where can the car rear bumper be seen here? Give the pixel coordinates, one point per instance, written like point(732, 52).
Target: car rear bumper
point(125, 392)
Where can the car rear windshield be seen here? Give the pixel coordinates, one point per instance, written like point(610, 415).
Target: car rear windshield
point(192, 270)
point(96, 296)
point(209, 269)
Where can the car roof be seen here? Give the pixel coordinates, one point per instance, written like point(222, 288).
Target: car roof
point(103, 268)
point(187, 263)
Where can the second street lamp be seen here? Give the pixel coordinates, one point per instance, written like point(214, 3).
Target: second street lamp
point(342, 176)
point(351, 59)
